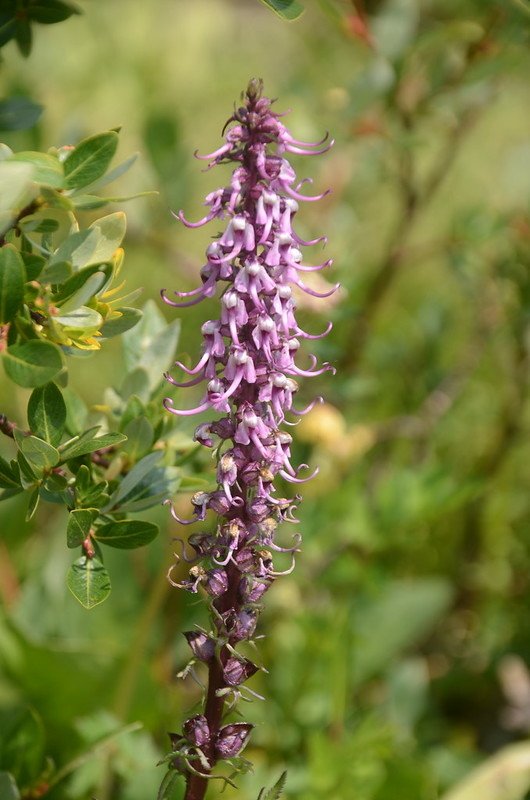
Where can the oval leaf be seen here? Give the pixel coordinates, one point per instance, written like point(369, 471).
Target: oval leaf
point(40, 455)
point(128, 318)
point(127, 534)
point(89, 581)
point(47, 413)
point(12, 279)
point(90, 159)
point(111, 230)
point(79, 523)
point(33, 363)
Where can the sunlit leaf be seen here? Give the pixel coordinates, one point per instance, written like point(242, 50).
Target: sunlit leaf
point(89, 160)
point(89, 581)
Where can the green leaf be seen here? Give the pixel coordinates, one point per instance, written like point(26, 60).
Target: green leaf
point(40, 455)
point(36, 223)
point(12, 279)
point(81, 318)
point(34, 265)
point(89, 581)
point(277, 789)
point(18, 114)
point(7, 28)
point(140, 436)
point(79, 524)
point(33, 504)
point(96, 245)
point(23, 36)
point(17, 190)
point(79, 288)
point(9, 475)
point(76, 412)
point(88, 443)
point(127, 534)
point(49, 11)
point(503, 776)
point(8, 787)
point(33, 363)
point(28, 478)
point(87, 202)
point(150, 346)
point(136, 383)
point(113, 174)
point(286, 9)
point(118, 325)
point(47, 169)
point(111, 231)
point(137, 474)
point(56, 272)
point(158, 484)
point(90, 159)
point(47, 413)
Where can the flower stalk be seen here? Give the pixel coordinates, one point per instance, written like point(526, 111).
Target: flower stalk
point(248, 363)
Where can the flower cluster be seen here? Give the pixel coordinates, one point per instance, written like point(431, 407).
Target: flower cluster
point(249, 366)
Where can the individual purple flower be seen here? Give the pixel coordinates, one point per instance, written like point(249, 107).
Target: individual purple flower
point(231, 739)
point(250, 375)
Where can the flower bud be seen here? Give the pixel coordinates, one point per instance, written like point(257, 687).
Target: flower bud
point(232, 739)
point(201, 645)
point(216, 582)
point(196, 730)
point(238, 670)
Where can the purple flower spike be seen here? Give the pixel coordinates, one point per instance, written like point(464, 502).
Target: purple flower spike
point(249, 370)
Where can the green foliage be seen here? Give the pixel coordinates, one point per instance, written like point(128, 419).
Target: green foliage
point(57, 300)
point(17, 18)
point(33, 363)
point(286, 9)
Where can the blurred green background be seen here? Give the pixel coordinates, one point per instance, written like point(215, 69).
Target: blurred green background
point(397, 651)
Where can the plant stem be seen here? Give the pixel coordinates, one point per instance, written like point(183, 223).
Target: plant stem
point(197, 786)
point(128, 678)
